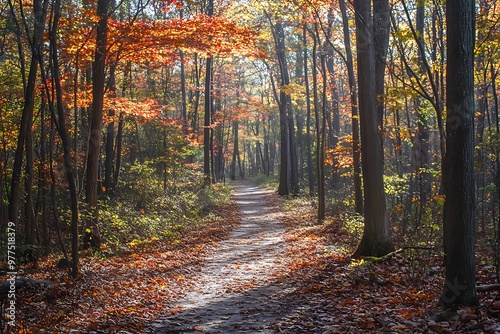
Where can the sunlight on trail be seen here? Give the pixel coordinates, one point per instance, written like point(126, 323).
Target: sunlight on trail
point(234, 292)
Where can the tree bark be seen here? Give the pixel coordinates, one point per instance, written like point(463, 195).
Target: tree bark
point(322, 144)
point(110, 137)
point(333, 116)
point(43, 175)
point(184, 119)
point(422, 141)
point(376, 240)
point(289, 162)
point(119, 142)
point(98, 83)
point(310, 176)
point(196, 100)
point(207, 121)
point(284, 187)
point(319, 117)
point(29, 215)
point(40, 14)
point(236, 151)
point(381, 32)
point(208, 110)
point(67, 147)
point(356, 147)
point(458, 172)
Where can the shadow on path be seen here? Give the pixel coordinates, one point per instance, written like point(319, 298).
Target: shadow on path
point(235, 291)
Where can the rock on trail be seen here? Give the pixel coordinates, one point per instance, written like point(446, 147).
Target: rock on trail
point(235, 291)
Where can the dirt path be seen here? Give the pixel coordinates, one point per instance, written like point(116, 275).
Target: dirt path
point(235, 291)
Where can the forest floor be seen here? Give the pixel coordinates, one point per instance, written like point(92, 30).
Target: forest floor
point(235, 290)
point(261, 266)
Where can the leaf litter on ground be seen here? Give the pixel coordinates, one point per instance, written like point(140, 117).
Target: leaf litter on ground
point(122, 292)
point(324, 289)
point(397, 295)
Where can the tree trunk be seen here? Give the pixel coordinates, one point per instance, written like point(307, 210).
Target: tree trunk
point(207, 121)
point(356, 147)
point(422, 141)
point(266, 147)
point(458, 172)
point(334, 121)
point(310, 176)
point(376, 240)
point(184, 119)
point(43, 175)
point(236, 152)
point(320, 166)
point(218, 144)
point(288, 171)
point(40, 13)
point(294, 161)
point(333, 116)
point(322, 145)
point(98, 81)
point(212, 144)
point(28, 189)
point(110, 137)
point(63, 133)
point(381, 32)
point(208, 110)
point(119, 141)
point(196, 102)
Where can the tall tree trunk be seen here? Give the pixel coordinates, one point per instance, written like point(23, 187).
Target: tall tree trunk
point(299, 112)
point(43, 175)
point(493, 74)
point(422, 141)
point(381, 32)
point(110, 136)
point(196, 101)
point(183, 84)
point(288, 184)
point(40, 14)
point(63, 133)
point(310, 176)
point(333, 117)
point(212, 164)
point(29, 215)
point(207, 121)
point(320, 167)
point(458, 173)
point(236, 152)
point(376, 240)
point(208, 109)
point(294, 161)
point(119, 132)
point(183, 89)
point(55, 211)
point(356, 147)
point(98, 83)
point(322, 144)
point(266, 146)
point(119, 142)
point(482, 113)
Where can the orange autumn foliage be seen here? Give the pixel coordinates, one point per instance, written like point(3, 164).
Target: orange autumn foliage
point(157, 40)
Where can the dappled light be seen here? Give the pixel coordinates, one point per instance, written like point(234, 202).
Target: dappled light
point(305, 166)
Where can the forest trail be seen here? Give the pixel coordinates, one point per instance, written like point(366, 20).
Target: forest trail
point(235, 290)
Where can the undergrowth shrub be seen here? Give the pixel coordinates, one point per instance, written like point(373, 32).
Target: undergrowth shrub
point(147, 207)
